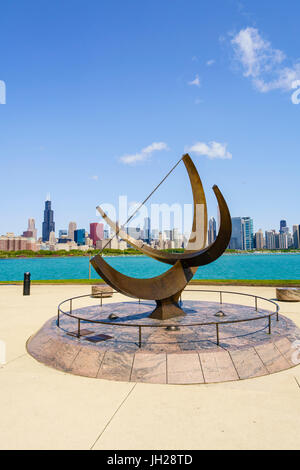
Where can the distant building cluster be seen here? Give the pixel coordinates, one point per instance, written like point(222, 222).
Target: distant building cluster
point(99, 236)
point(243, 237)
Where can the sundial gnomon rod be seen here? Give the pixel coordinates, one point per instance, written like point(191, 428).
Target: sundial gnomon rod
point(142, 203)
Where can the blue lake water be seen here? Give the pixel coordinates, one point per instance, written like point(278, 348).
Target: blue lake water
point(229, 266)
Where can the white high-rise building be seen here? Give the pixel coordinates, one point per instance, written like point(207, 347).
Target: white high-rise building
point(212, 230)
point(283, 241)
point(270, 240)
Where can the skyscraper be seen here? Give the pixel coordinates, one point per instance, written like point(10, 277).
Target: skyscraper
point(147, 230)
point(283, 243)
point(296, 237)
point(48, 224)
point(247, 230)
point(242, 233)
point(31, 228)
point(72, 228)
point(96, 232)
point(79, 236)
point(270, 240)
point(282, 226)
point(52, 238)
point(212, 230)
point(259, 240)
point(236, 241)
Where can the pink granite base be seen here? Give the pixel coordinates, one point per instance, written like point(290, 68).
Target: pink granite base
point(187, 356)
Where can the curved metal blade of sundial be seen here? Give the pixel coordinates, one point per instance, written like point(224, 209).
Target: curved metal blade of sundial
point(217, 248)
point(156, 288)
point(197, 239)
point(173, 281)
point(176, 278)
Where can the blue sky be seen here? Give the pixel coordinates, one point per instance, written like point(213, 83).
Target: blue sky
point(102, 98)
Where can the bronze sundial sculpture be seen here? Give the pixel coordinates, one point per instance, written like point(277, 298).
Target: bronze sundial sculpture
point(166, 288)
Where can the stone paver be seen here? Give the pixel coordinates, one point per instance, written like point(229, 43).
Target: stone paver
point(218, 367)
point(150, 368)
point(184, 369)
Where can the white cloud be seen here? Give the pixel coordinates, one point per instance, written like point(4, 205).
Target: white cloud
point(212, 150)
point(195, 82)
point(262, 63)
point(210, 62)
point(284, 80)
point(144, 154)
point(255, 54)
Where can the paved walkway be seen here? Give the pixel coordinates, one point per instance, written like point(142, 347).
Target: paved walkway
point(42, 408)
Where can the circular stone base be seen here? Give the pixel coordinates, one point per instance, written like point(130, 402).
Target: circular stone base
point(185, 355)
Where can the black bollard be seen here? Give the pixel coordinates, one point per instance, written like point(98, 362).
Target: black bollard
point(26, 285)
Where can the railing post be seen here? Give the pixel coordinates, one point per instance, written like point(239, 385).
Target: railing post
point(101, 303)
point(139, 301)
point(58, 317)
point(140, 336)
point(78, 333)
point(256, 303)
point(218, 335)
point(277, 313)
point(270, 323)
point(221, 300)
point(71, 306)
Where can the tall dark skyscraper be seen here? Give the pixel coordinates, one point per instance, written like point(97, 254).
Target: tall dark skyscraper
point(147, 229)
point(282, 226)
point(48, 224)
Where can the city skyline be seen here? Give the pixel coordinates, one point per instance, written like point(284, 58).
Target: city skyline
point(138, 103)
point(67, 224)
point(99, 236)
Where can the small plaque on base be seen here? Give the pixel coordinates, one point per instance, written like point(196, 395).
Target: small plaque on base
point(98, 338)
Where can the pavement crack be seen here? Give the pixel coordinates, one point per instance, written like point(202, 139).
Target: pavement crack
point(112, 417)
point(13, 360)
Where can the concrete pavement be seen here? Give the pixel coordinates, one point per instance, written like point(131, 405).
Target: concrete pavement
point(42, 408)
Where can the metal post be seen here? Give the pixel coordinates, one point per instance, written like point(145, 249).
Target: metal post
point(277, 313)
point(78, 333)
point(71, 306)
point(139, 301)
point(140, 336)
point(218, 337)
point(58, 317)
point(270, 323)
point(26, 285)
point(101, 303)
point(221, 300)
point(255, 303)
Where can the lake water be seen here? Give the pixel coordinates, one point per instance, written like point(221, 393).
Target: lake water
point(229, 266)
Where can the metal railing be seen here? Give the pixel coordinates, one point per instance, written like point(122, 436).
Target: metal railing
point(172, 325)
